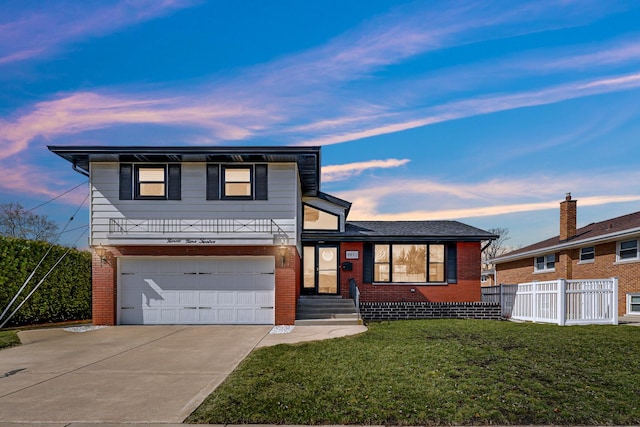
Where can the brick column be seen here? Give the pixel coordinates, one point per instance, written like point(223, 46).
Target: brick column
point(287, 286)
point(103, 295)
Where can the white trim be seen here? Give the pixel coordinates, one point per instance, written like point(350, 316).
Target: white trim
point(629, 295)
point(545, 269)
point(626, 260)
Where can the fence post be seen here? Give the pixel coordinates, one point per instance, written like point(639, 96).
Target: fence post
point(562, 302)
point(614, 297)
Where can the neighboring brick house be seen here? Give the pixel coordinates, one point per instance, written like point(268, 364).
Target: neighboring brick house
point(232, 235)
point(609, 248)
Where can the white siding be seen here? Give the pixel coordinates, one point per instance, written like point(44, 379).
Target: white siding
point(281, 205)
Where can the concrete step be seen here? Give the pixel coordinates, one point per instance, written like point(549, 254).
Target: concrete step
point(326, 322)
point(328, 310)
point(325, 315)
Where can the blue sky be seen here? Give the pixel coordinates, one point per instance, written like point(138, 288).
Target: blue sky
point(480, 111)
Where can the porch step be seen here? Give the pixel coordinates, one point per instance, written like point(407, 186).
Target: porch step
point(328, 322)
point(326, 310)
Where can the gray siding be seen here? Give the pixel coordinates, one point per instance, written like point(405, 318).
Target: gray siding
point(282, 205)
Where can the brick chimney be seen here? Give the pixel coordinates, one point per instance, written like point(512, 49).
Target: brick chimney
point(568, 213)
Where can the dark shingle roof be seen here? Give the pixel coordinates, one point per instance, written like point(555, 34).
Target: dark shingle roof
point(408, 230)
point(583, 235)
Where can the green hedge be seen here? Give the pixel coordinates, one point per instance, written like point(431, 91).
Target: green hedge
point(64, 295)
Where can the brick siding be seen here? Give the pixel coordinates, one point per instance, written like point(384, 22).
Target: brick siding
point(466, 289)
point(378, 311)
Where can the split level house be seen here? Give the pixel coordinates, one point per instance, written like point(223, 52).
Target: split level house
point(605, 249)
point(235, 235)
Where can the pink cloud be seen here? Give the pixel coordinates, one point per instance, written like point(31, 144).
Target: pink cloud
point(41, 31)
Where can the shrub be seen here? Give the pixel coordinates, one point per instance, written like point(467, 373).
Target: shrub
point(64, 295)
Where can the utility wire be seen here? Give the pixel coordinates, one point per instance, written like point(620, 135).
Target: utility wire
point(57, 197)
point(39, 283)
point(24, 285)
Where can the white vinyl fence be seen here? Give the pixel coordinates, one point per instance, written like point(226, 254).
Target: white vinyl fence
point(568, 302)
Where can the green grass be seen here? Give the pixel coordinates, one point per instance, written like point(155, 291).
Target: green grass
point(440, 372)
point(8, 339)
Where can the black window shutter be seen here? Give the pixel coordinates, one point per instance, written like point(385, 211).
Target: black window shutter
point(452, 263)
point(126, 181)
point(174, 191)
point(262, 182)
point(367, 263)
point(213, 182)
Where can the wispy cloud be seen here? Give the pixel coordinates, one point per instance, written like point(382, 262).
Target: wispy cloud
point(348, 170)
point(81, 112)
point(495, 210)
point(308, 98)
point(35, 33)
point(486, 105)
point(17, 177)
point(431, 199)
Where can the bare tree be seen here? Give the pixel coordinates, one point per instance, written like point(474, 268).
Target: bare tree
point(496, 247)
point(15, 221)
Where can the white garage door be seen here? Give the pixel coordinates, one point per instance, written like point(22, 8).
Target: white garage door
point(211, 290)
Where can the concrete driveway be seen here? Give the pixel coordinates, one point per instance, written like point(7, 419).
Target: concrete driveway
point(119, 374)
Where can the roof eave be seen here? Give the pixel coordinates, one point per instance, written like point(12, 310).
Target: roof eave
point(604, 238)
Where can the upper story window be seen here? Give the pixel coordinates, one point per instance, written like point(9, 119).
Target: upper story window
point(587, 254)
point(151, 181)
point(402, 263)
point(142, 181)
point(316, 219)
point(237, 182)
point(628, 250)
point(546, 263)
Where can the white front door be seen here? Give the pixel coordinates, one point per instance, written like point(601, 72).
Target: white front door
point(197, 290)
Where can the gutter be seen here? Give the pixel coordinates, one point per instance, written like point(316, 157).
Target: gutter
point(80, 171)
point(568, 245)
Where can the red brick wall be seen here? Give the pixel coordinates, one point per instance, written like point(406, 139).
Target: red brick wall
point(467, 289)
point(103, 295)
point(104, 276)
point(287, 287)
point(569, 267)
point(356, 272)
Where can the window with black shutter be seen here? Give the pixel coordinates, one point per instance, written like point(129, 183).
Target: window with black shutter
point(150, 181)
point(237, 182)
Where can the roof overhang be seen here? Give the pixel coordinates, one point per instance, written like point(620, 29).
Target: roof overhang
point(307, 158)
point(604, 238)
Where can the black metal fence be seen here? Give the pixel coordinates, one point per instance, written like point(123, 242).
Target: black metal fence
point(504, 295)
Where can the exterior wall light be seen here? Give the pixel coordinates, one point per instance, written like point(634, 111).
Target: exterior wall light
point(102, 254)
point(282, 251)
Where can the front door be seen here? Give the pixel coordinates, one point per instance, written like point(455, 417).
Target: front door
point(320, 270)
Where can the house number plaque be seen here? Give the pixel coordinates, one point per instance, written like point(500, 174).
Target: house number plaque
point(352, 254)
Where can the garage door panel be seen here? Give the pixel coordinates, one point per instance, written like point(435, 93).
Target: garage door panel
point(245, 315)
point(263, 316)
point(170, 315)
point(176, 290)
point(207, 315)
point(226, 298)
point(264, 299)
point(226, 315)
point(246, 298)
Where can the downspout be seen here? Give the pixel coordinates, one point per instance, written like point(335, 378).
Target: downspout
point(495, 271)
point(80, 171)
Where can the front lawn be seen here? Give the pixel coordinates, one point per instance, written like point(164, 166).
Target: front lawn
point(439, 372)
point(8, 339)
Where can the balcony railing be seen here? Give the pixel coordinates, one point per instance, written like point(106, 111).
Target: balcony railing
point(124, 226)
